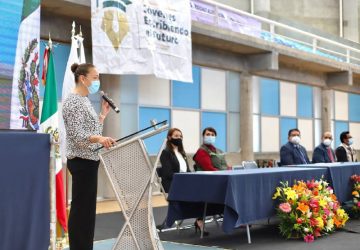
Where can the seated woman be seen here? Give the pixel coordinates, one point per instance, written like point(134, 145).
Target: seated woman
point(173, 158)
point(208, 157)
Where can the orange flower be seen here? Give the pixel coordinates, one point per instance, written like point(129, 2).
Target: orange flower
point(303, 208)
point(299, 188)
point(333, 197)
point(337, 222)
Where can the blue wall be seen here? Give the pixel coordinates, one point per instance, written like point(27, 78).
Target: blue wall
point(304, 101)
point(153, 143)
point(269, 96)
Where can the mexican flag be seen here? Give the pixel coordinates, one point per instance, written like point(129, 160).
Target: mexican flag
point(25, 86)
point(49, 123)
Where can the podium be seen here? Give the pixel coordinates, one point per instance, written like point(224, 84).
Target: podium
point(132, 176)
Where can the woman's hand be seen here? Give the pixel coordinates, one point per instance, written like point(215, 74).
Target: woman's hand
point(107, 142)
point(105, 108)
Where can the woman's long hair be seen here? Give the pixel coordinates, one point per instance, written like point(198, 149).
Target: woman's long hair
point(169, 146)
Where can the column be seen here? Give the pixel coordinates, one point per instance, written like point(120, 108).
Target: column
point(110, 84)
point(351, 20)
point(262, 7)
point(246, 117)
point(327, 109)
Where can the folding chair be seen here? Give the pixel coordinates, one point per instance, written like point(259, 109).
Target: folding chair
point(249, 164)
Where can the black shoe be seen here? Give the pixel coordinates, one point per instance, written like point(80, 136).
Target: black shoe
point(161, 227)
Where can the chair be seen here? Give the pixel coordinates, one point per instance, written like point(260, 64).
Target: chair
point(249, 164)
point(237, 167)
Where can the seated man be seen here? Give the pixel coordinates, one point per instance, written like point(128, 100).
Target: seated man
point(208, 157)
point(324, 152)
point(292, 153)
point(345, 152)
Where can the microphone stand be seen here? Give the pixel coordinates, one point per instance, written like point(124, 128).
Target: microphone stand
point(135, 133)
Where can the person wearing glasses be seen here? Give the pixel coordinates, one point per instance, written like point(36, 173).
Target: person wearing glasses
point(324, 152)
point(345, 152)
point(292, 153)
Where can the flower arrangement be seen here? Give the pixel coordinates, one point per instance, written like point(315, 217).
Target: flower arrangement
point(308, 210)
point(356, 196)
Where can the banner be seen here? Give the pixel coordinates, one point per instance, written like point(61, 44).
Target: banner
point(206, 13)
point(142, 37)
point(25, 83)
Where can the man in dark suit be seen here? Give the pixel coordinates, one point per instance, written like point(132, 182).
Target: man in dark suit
point(292, 153)
point(324, 152)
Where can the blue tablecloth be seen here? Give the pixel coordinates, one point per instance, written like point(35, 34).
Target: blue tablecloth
point(24, 191)
point(242, 196)
point(339, 176)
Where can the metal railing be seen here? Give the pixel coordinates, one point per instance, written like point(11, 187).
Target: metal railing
point(274, 31)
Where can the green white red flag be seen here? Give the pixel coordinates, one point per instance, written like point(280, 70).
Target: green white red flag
point(50, 124)
point(24, 112)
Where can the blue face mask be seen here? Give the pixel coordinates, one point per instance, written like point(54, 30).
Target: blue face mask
point(351, 141)
point(94, 87)
point(210, 140)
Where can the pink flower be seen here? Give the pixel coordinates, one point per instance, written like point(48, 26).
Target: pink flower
point(285, 207)
point(309, 238)
point(358, 204)
point(326, 211)
point(311, 184)
point(314, 203)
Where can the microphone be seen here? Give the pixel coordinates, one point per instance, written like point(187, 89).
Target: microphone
point(153, 123)
point(109, 101)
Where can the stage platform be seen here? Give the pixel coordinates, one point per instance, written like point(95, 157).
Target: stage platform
point(108, 244)
point(264, 236)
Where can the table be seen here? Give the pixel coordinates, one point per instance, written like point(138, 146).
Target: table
point(24, 190)
point(242, 196)
point(339, 174)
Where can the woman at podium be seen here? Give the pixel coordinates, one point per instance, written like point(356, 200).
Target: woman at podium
point(84, 134)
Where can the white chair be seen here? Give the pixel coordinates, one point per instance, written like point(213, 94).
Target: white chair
point(237, 167)
point(249, 164)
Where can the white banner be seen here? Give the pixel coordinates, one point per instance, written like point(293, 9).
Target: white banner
point(142, 37)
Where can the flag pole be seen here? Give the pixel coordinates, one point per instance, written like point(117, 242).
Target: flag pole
point(67, 173)
point(52, 183)
point(66, 170)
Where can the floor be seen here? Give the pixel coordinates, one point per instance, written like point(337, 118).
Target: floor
point(264, 236)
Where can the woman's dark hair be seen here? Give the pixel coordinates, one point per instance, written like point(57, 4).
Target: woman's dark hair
point(81, 69)
point(169, 145)
point(211, 129)
point(343, 136)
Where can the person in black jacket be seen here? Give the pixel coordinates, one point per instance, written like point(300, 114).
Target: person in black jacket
point(345, 152)
point(173, 158)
